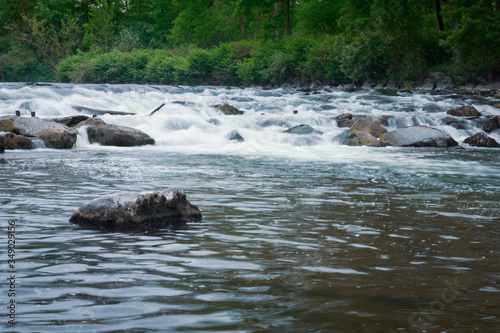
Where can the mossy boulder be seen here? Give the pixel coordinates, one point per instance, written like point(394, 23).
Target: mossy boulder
point(91, 122)
point(229, 109)
point(464, 111)
point(359, 138)
point(482, 140)
point(368, 126)
point(12, 141)
point(7, 124)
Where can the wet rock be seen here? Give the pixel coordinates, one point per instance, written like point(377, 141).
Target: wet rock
point(121, 136)
point(349, 87)
point(447, 83)
point(274, 122)
point(55, 135)
point(359, 138)
point(482, 140)
point(235, 136)
point(71, 121)
point(427, 85)
point(464, 111)
point(4, 161)
point(384, 120)
point(345, 120)
point(2, 146)
point(229, 109)
point(417, 136)
point(369, 84)
point(130, 211)
point(431, 108)
point(7, 124)
point(488, 124)
point(91, 122)
point(303, 129)
point(13, 141)
point(454, 122)
point(369, 126)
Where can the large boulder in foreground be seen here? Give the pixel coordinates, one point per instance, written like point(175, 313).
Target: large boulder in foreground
point(482, 140)
point(129, 211)
point(54, 134)
point(115, 135)
point(12, 141)
point(417, 136)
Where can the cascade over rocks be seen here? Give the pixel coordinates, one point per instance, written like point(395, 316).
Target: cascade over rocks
point(417, 136)
point(130, 211)
point(54, 134)
point(115, 135)
point(482, 140)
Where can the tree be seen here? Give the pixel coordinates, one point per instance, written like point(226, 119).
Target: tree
point(100, 31)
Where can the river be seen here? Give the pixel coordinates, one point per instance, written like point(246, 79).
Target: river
point(299, 234)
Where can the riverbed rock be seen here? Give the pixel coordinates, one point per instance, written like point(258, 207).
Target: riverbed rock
point(115, 135)
point(7, 124)
point(359, 138)
point(345, 120)
point(91, 122)
point(383, 120)
point(349, 87)
point(303, 129)
point(13, 141)
point(71, 121)
point(417, 136)
point(229, 109)
point(2, 147)
point(54, 134)
point(427, 85)
point(454, 122)
point(482, 140)
point(446, 83)
point(369, 126)
point(132, 210)
point(488, 124)
point(235, 136)
point(464, 111)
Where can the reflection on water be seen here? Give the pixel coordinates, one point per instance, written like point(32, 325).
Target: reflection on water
point(397, 240)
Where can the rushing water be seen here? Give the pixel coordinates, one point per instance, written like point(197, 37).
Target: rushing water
point(299, 233)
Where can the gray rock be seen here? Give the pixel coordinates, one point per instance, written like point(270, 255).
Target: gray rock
point(369, 126)
point(427, 85)
point(130, 211)
point(349, 87)
point(345, 120)
point(417, 136)
point(482, 140)
point(488, 124)
point(121, 136)
point(454, 122)
point(303, 129)
point(54, 134)
point(447, 83)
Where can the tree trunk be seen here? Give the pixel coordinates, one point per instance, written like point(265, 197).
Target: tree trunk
point(438, 14)
point(288, 18)
point(243, 29)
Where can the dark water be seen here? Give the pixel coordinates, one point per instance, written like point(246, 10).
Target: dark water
point(390, 240)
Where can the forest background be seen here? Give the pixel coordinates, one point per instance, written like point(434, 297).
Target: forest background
point(248, 42)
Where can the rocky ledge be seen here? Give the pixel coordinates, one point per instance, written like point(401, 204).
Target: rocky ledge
point(131, 211)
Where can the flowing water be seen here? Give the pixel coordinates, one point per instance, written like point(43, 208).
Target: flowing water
point(299, 232)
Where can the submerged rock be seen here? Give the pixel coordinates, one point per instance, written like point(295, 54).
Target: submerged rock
point(303, 129)
point(368, 126)
point(454, 122)
point(121, 136)
point(235, 136)
point(488, 124)
point(129, 211)
point(418, 136)
point(481, 140)
point(464, 111)
point(13, 141)
point(229, 109)
point(55, 135)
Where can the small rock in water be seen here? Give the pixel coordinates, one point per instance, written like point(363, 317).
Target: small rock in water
point(303, 129)
point(368, 126)
point(235, 136)
point(121, 136)
point(3, 161)
point(481, 140)
point(464, 111)
point(132, 211)
point(229, 109)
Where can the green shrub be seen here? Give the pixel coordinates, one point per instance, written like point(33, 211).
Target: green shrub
point(20, 65)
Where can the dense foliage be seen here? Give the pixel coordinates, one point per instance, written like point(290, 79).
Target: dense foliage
point(245, 42)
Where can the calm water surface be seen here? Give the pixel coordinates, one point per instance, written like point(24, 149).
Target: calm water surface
point(296, 236)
